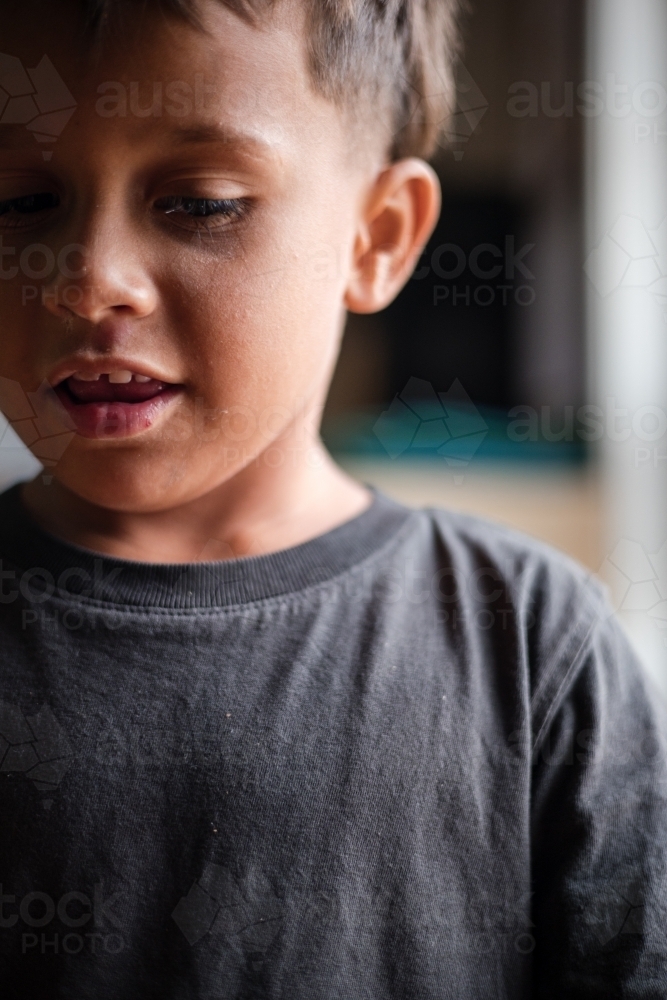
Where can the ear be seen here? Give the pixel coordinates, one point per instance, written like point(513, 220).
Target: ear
point(400, 214)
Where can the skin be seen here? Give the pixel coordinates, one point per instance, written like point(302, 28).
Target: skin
point(246, 314)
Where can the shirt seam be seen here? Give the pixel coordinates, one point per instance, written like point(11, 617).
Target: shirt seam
point(279, 600)
point(581, 638)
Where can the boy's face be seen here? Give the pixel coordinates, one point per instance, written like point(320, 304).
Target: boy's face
point(238, 310)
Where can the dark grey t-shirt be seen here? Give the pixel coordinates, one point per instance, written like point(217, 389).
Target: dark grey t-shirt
point(413, 758)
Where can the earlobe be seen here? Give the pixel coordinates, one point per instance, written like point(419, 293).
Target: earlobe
point(400, 215)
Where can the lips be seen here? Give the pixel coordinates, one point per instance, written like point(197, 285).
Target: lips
point(104, 391)
point(102, 407)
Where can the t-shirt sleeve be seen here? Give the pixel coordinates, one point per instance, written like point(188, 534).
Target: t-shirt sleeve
point(599, 821)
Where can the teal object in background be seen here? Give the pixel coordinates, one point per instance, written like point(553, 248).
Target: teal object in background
point(421, 423)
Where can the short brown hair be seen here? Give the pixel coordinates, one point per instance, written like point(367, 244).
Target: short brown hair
point(396, 55)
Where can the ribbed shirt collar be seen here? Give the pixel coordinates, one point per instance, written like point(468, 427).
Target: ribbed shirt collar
point(39, 561)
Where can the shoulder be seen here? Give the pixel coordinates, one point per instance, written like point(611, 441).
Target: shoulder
point(530, 568)
point(509, 582)
point(531, 611)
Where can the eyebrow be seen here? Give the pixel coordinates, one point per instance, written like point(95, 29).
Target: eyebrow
point(18, 137)
point(207, 134)
point(201, 134)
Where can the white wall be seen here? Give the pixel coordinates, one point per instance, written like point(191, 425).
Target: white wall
point(627, 304)
point(16, 462)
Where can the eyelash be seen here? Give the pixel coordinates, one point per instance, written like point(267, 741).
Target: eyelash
point(201, 211)
point(26, 206)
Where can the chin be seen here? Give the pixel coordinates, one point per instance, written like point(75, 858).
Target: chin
point(119, 479)
point(137, 480)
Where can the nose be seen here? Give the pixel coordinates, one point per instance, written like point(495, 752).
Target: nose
point(103, 276)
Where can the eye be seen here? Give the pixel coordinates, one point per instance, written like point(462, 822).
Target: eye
point(202, 214)
point(16, 213)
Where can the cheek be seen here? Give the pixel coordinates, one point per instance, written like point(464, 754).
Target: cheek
point(262, 325)
point(19, 321)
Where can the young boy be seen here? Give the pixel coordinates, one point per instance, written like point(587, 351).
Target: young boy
point(266, 733)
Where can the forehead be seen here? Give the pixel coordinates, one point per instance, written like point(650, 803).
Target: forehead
point(164, 75)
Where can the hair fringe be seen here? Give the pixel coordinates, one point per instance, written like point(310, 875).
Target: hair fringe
point(398, 55)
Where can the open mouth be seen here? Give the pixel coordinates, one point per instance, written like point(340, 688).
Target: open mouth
point(114, 404)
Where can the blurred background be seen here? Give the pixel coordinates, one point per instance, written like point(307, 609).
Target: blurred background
point(497, 307)
point(494, 317)
point(522, 374)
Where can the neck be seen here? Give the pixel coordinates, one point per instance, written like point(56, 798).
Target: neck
point(258, 511)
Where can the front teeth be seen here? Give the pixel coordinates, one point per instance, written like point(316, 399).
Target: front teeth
point(121, 377)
